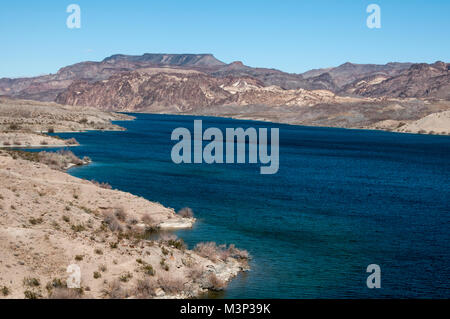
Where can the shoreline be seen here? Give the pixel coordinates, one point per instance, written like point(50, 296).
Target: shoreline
point(57, 220)
point(292, 124)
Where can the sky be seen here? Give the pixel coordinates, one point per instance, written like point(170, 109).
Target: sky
point(290, 35)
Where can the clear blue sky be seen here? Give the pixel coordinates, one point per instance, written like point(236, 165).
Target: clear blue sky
point(291, 35)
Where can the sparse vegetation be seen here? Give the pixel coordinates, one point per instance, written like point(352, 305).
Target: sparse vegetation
point(148, 269)
point(36, 221)
point(66, 293)
point(71, 141)
point(112, 222)
point(79, 257)
point(214, 253)
point(54, 284)
point(31, 294)
point(115, 291)
point(120, 214)
point(97, 275)
point(78, 228)
point(145, 288)
point(178, 244)
point(163, 264)
point(170, 284)
point(101, 185)
point(125, 277)
point(31, 282)
point(5, 291)
point(214, 283)
point(186, 212)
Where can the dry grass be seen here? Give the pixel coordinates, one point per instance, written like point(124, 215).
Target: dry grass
point(186, 212)
point(58, 160)
point(170, 283)
point(148, 220)
point(115, 291)
point(102, 185)
point(110, 219)
point(65, 293)
point(214, 283)
point(214, 252)
point(145, 289)
point(120, 213)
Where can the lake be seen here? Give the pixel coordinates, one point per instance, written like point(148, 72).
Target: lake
point(341, 200)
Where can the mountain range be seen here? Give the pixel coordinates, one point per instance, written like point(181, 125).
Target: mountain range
point(200, 83)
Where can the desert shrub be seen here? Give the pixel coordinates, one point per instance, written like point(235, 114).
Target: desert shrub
point(58, 160)
point(213, 252)
point(51, 130)
point(113, 245)
point(31, 282)
point(98, 251)
point(66, 293)
point(79, 257)
point(238, 253)
point(78, 228)
point(54, 284)
point(101, 185)
point(170, 284)
point(132, 221)
point(44, 142)
point(196, 273)
point(14, 126)
point(120, 213)
point(186, 212)
point(148, 269)
point(115, 291)
point(66, 219)
point(178, 244)
point(102, 268)
point(83, 121)
point(35, 221)
point(71, 141)
point(145, 288)
point(17, 143)
point(163, 264)
point(5, 291)
point(31, 294)
point(6, 143)
point(147, 219)
point(110, 219)
point(125, 277)
point(97, 275)
point(207, 250)
point(214, 283)
point(164, 251)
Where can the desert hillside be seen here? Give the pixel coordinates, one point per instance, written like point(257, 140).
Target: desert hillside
point(50, 220)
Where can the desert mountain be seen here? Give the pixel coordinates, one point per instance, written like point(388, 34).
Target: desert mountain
point(47, 87)
point(158, 89)
point(420, 80)
point(350, 72)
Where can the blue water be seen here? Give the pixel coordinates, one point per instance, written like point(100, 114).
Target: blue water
point(342, 199)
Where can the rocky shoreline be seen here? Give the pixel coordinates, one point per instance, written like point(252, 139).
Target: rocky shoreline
point(50, 220)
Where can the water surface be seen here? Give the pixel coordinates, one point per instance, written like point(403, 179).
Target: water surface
point(342, 199)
